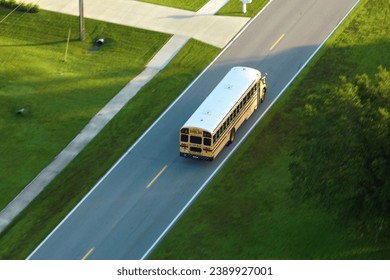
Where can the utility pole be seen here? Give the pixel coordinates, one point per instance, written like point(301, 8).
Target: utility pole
point(82, 22)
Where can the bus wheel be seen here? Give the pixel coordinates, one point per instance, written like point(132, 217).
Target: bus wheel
point(232, 136)
point(263, 95)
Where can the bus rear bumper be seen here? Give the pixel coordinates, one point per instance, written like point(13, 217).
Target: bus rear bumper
point(186, 155)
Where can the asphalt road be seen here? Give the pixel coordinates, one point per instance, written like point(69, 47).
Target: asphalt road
point(142, 196)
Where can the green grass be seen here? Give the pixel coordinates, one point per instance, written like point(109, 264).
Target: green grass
point(234, 8)
point(192, 5)
point(248, 212)
point(45, 212)
point(59, 97)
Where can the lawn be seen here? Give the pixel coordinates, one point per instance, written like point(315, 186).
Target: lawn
point(234, 8)
point(192, 5)
point(58, 97)
point(248, 212)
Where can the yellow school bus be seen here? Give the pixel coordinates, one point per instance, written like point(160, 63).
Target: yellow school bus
point(214, 124)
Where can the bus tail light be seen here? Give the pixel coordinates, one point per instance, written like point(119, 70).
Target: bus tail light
point(207, 149)
point(185, 146)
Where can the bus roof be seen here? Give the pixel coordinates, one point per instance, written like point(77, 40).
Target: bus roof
point(222, 99)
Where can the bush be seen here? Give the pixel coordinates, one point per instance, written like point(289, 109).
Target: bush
point(21, 7)
point(342, 156)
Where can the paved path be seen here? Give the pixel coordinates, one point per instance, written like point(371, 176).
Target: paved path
point(202, 25)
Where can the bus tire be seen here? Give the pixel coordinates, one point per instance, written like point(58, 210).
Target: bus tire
point(263, 96)
point(232, 136)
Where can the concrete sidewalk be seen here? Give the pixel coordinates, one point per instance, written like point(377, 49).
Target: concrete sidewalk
point(202, 25)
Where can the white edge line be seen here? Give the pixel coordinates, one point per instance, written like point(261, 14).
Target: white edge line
point(246, 134)
point(146, 132)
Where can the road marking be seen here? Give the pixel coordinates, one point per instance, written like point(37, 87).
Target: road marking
point(158, 175)
point(88, 253)
point(277, 42)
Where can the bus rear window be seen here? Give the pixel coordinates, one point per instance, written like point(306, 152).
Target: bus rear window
point(196, 140)
point(184, 138)
point(207, 141)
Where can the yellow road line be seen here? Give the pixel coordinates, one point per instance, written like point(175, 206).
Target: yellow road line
point(88, 253)
point(277, 42)
point(158, 175)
